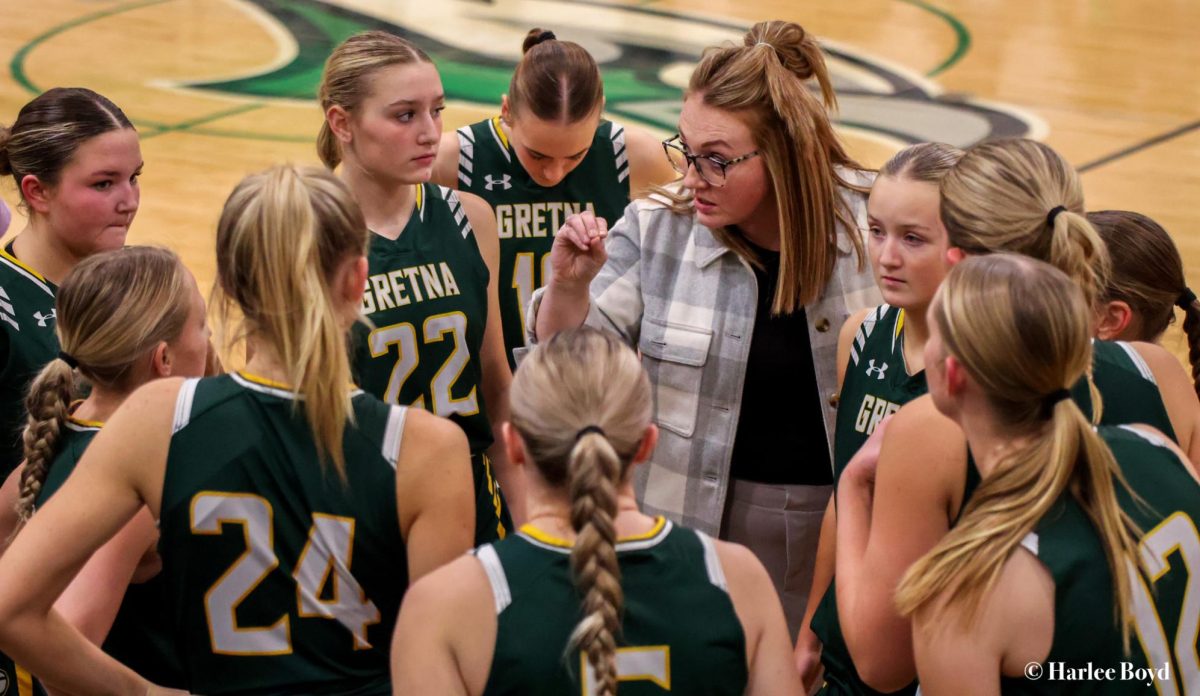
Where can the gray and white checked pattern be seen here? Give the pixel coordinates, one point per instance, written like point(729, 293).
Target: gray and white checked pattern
point(687, 303)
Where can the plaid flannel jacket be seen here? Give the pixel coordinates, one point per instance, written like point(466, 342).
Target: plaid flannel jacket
point(687, 303)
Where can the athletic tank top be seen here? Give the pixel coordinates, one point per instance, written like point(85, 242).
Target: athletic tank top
point(679, 631)
point(426, 298)
point(529, 215)
point(1166, 605)
point(281, 577)
point(27, 342)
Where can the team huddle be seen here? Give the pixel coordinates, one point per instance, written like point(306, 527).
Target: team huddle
point(545, 406)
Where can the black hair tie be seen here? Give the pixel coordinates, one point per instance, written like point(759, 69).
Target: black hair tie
point(546, 36)
point(589, 429)
point(70, 361)
point(1052, 400)
point(1053, 214)
point(1185, 299)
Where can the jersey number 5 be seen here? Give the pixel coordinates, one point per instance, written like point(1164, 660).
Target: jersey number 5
point(325, 559)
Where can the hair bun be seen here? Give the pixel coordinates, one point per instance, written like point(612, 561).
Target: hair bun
point(796, 50)
point(536, 36)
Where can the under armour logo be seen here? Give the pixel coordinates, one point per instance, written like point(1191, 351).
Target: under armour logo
point(43, 318)
point(881, 370)
point(502, 181)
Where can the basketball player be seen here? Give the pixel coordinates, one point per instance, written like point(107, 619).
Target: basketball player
point(123, 317)
point(1062, 555)
point(75, 159)
point(1010, 195)
point(880, 358)
point(548, 154)
point(1146, 285)
point(293, 509)
point(592, 592)
point(435, 337)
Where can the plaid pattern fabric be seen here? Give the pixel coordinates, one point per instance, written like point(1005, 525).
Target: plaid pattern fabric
point(687, 303)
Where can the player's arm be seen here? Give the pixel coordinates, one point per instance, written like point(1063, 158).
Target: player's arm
point(648, 164)
point(446, 633)
point(10, 492)
point(434, 492)
point(121, 471)
point(808, 646)
point(445, 165)
point(1178, 395)
point(1013, 629)
point(497, 376)
point(757, 606)
point(888, 517)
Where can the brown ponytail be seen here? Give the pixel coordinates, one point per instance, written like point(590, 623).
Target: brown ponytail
point(555, 81)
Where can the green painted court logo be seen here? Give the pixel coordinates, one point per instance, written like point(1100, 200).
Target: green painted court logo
point(645, 55)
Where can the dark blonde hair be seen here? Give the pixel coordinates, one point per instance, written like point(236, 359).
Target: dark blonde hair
point(345, 80)
point(1021, 329)
point(49, 130)
point(581, 402)
point(281, 237)
point(925, 162)
point(763, 81)
point(1000, 196)
point(555, 80)
point(110, 311)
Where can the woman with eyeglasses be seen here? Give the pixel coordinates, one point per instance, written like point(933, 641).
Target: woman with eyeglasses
point(732, 283)
point(548, 154)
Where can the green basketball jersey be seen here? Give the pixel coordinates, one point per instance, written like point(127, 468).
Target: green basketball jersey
point(427, 300)
point(17, 681)
point(27, 342)
point(876, 384)
point(282, 578)
point(528, 215)
point(679, 630)
point(140, 636)
point(1166, 605)
point(1127, 388)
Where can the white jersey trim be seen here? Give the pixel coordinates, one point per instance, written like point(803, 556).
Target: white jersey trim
point(394, 434)
point(1030, 542)
point(1138, 361)
point(712, 562)
point(28, 276)
point(183, 404)
point(496, 577)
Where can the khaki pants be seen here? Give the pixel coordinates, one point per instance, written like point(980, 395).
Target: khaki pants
point(781, 525)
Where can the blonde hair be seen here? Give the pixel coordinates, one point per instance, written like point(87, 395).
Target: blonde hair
point(763, 82)
point(581, 402)
point(555, 80)
point(1000, 196)
point(345, 83)
point(110, 311)
point(1021, 329)
point(924, 162)
point(281, 237)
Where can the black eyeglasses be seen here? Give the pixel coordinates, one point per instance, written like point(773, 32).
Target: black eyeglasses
point(710, 167)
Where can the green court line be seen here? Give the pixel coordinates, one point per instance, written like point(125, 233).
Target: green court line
point(188, 125)
point(16, 66)
point(962, 35)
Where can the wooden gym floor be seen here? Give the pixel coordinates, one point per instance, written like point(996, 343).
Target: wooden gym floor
point(219, 88)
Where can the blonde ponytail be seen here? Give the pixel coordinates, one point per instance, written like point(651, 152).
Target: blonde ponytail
point(593, 474)
point(1021, 329)
point(48, 407)
point(281, 237)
